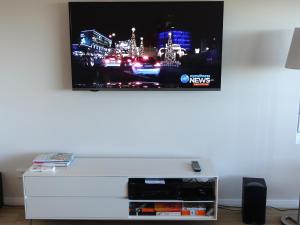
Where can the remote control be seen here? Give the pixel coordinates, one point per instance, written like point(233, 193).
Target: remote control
point(196, 167)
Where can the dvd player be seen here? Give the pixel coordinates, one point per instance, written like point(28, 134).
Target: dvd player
point(170, 189)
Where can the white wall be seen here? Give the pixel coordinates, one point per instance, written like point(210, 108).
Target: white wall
point(247, 128)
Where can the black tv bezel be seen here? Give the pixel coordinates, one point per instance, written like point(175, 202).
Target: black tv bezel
point(147, 89)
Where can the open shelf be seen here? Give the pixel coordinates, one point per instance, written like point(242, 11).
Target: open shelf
point(172, 209)
point(172, 217)
point(173, 198)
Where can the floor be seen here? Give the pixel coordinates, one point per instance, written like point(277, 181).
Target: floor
point(15, 216)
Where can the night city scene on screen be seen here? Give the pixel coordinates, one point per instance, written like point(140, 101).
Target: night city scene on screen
point(146, 45)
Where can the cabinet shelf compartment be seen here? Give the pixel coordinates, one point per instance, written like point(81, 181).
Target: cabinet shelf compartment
point(185, 189)
point(172, 209)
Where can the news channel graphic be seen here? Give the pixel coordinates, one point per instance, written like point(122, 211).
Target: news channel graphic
point(146, 50)
point(196, 80)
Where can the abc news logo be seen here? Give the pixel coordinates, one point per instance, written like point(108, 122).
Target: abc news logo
point(196, 80)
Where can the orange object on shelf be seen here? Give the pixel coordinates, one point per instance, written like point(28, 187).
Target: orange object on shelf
point(185, 212)
point(147, 210)
point(200, 212)
point(167, 206)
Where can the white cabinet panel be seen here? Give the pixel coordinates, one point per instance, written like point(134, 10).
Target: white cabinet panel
point(76, 186)
point(76, 208)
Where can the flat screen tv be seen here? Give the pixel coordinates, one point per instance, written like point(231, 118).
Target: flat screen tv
point(146, 45)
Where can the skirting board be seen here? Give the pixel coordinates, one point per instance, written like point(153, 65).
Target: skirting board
point(280, 203)
point(19, 201)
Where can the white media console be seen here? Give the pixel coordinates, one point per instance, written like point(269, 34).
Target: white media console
point(96, 188)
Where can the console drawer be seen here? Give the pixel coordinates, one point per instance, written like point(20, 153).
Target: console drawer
point(76, 186)
point(76, 208)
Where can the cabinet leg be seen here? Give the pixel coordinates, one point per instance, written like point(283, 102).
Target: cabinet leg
point(30, 222)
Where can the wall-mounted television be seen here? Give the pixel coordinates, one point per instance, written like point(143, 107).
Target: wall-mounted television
point(146, 45)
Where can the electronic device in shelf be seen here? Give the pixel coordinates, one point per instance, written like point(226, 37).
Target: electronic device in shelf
point(172, 189)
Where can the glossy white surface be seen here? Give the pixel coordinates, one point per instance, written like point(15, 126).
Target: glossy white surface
point(131, 167)
point(96, 187)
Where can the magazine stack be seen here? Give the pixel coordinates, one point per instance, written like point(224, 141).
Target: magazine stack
point(49, 161)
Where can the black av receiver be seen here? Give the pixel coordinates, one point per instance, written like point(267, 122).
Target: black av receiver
point(170, 189)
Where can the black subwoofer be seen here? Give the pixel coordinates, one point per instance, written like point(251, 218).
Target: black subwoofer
point(254, 200)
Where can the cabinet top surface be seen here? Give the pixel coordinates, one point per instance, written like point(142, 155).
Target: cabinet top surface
point(131, 167)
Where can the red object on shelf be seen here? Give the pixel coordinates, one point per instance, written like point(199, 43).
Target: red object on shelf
point(147, 210)
point(185, 212)
point(168, 206)
point(201, 212)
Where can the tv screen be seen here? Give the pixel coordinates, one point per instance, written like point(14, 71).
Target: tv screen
point(146, 45)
